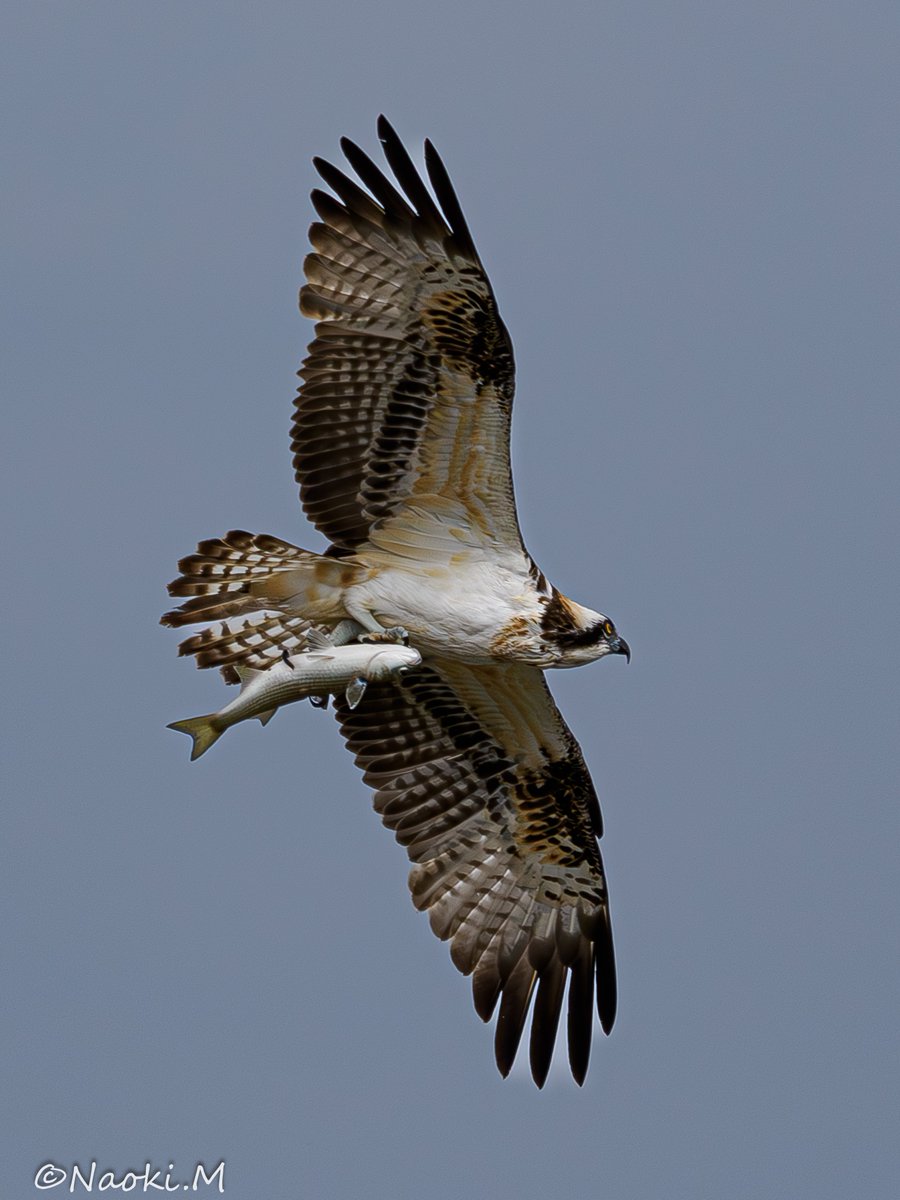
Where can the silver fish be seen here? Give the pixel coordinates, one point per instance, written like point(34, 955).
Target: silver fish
point(324, 669)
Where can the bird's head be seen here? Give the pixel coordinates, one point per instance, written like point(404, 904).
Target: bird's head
point(579, 635)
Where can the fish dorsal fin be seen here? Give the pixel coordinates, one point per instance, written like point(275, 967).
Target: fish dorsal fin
point(354, 693)
point(246, 674)
point(317, 640)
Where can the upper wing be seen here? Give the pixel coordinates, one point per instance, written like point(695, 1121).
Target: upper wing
point(408, 386)
point(480, 778)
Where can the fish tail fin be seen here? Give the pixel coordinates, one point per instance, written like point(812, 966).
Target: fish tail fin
point(201, 730)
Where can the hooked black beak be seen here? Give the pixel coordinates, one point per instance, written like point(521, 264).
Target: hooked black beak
point(623, 648)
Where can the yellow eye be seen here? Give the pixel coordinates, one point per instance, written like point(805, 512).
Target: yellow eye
point(609, 629)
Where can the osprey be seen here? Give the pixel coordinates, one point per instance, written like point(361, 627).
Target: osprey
point(401, 451)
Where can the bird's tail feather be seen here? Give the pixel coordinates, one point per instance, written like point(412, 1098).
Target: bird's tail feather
point(243, 573)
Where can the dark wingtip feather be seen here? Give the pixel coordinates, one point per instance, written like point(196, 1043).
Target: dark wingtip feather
point(447, 198)
point(579, 1020)
point(486, 988)
point(332, 175)
point(606, 977)
point(356, 200)
point(513, 1010)
point(541, 951)
point(545, 1020)
point(376, 181)
point(329, 209)
point(409, 178)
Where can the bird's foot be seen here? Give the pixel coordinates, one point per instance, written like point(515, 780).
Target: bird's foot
point(396, 636)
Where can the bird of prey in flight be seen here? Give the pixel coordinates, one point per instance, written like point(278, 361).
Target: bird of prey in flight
point(400, 440)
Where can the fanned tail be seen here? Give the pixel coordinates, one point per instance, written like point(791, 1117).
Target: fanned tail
point(243, 573)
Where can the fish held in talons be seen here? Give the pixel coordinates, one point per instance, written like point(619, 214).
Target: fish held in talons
point(323, 670)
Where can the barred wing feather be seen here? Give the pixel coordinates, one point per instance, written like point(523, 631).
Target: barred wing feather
point(479, 777)
point(407, 390)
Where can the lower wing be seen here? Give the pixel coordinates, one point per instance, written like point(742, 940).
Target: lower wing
point(480, 778)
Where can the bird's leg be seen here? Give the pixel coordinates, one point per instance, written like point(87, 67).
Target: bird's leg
point(374, 632)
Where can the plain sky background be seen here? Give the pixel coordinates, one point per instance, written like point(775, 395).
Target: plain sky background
point(689, 214)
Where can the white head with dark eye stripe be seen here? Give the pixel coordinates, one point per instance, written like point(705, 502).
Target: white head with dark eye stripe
point(579, 635)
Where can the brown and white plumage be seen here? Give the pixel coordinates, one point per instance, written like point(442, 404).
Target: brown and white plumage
point(401, 450)
point(408, 385)
point(479, 777)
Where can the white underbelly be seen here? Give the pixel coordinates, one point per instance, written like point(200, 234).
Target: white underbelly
point(447, 612)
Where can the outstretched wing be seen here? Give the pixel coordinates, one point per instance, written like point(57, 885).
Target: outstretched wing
point(480, 778)
point(408, 386)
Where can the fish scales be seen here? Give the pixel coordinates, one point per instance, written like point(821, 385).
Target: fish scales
point(323, 671)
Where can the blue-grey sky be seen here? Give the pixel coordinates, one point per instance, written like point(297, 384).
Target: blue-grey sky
point(689, 212)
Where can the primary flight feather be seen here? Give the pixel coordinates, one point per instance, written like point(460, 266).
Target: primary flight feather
point(401, 451)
